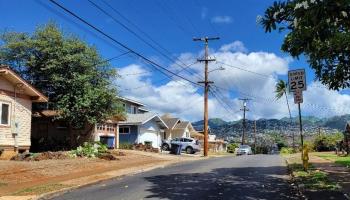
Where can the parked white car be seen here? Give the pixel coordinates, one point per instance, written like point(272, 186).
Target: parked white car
point(244, 150)
point(189, 145)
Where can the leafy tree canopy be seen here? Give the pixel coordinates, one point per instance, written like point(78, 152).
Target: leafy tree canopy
point(318, 29)
point(70, 72)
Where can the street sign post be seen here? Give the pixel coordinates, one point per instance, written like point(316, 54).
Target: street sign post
point(297, 84)
point(296, 80)
point(298, 96)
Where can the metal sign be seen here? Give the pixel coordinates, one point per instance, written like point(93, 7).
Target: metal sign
point(298, 96)
point(296, 80)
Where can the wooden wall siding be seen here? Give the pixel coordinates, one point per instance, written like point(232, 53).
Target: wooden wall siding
point(21, 112)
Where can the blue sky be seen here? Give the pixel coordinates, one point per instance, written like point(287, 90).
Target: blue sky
point(173, 24)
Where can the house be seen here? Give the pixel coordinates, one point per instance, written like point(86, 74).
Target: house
point(140, 126)
point(145, 128)
point(214, 144)
point(16, 98)
point(176, 128)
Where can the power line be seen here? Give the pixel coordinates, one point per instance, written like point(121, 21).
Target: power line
point(256, 73)
point(137, 35)
point(156, 65)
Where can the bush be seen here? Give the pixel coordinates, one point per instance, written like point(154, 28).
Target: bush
point(232, 147)
point(90, 150)
point(287, 150)
point(126, 146)
point(326, 142)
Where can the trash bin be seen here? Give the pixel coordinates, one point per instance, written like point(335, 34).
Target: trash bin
point(175, 149)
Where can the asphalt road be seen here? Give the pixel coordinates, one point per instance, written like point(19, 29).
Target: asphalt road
point(244, 177)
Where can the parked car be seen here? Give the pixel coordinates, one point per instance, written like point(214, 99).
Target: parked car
point(244, 150)
point(189, 145)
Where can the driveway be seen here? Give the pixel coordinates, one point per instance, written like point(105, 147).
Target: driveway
point(244, 177)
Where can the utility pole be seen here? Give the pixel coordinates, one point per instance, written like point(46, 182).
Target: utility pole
point(206, 83)
point(244, 109)
point(301, 129)
point(254, 136)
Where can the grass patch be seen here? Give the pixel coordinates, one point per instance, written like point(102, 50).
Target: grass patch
point(341, 160)
point(40, 189)
point(313, 179)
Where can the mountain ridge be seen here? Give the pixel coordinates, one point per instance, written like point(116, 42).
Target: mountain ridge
point(311, 124)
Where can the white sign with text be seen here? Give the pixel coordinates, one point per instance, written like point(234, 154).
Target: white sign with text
point(296, 80)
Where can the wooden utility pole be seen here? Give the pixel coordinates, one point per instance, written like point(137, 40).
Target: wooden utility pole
point(206, 83)
point(301, 128)
point(244, 109)
point(254, 136)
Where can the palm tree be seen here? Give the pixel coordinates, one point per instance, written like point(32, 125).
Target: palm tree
point(281, 89)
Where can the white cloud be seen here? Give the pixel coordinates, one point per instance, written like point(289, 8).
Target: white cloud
point(234, 46)
point(186, 101)
point(221, 20)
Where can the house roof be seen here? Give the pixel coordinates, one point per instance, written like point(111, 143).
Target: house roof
point(200, 128)
point(130, 101)
point(182, 125)
point(135, 119)
point(170, 122)
point(29, 90)
point(143, 109)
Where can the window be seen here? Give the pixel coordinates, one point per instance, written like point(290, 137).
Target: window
point(133, 109)
point(5, 113)
point(124, 130)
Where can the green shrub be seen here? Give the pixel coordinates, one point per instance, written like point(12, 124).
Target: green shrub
point(287, 150)
point(126, 146)
point(90, 150)
point(232, 147)
point(326, 142)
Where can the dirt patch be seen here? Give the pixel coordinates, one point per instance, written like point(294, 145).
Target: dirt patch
point(324, 182)
point(18, 176)
point(59, 155)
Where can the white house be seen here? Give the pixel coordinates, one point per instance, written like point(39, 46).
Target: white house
point(145, 128)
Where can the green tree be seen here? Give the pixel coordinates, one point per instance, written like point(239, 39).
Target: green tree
point(318, 29)
point(281, 89)
point(71, 73)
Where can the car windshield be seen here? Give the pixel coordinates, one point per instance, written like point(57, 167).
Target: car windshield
point(244, 147)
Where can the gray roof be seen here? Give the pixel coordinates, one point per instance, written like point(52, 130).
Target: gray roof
point(130, 101)
point(141, 118)
point(182, 125)
point(170, 122)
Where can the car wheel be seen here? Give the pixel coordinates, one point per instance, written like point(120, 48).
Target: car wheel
point(165, 147)
point(189, 150)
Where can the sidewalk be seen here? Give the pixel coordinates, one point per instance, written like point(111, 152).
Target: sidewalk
point(21, 180)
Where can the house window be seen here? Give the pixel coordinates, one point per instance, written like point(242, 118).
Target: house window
point(5, 113)
point(100, 127)
point(124, 130)
point(133, 109)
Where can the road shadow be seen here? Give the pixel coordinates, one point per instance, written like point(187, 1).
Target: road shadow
point(224, 183)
